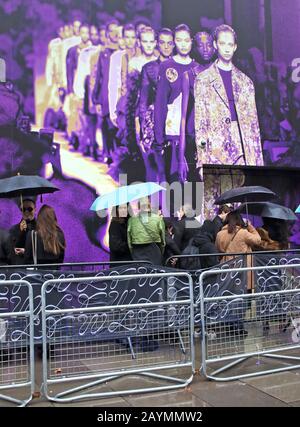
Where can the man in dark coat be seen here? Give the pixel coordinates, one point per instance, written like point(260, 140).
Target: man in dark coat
point(205, 242)
point(187, 226)
point(18, 232)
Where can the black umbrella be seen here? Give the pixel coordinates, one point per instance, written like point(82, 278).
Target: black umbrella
point(269, 210)
point(25, 185)
point(253, 193)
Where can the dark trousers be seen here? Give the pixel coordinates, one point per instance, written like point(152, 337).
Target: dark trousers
point(147, 252)
point(108, 135)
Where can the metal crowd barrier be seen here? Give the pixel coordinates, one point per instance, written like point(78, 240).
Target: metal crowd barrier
point(16, 342)
point(37, 277)
point(105, 328)
point(78, 266)
point(251, 328)
point(101, 328)
point(233, 254)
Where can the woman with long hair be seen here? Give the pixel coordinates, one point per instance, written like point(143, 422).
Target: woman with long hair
point(238, 237)
point(47, 244)
point(118, 246)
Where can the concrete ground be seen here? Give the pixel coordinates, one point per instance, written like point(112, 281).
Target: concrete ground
point(273, 390)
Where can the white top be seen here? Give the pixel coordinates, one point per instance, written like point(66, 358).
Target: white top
point(83, 70)
point(114, 83)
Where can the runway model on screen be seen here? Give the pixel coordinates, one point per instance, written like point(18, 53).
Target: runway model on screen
point(72, 107)
point(226, 123)
point(100, 91)
point(73, 54)
point(115, 64)
point(118, 79)
point(147, 38)
point(187, 152)
point(149, 80)
point(167, 108)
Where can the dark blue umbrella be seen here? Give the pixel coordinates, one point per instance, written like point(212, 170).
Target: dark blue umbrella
point(269, 210)
point(25, 185)
point(253, 193)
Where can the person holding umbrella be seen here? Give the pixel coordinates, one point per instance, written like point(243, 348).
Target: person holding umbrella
point(237, 237)
point(19, 231)
point(276, 219)
point(118, 245)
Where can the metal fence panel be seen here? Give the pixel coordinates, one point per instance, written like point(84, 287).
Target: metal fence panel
point(107, 327)
point(260, 325)
point(16, 341)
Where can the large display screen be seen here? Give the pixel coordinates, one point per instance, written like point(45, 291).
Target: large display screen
point(101, 93)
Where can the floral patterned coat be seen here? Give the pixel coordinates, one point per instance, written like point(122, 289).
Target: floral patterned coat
point(215, 141)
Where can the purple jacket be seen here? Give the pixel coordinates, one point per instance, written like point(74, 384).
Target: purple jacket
point(100, 92)
point(72, 62)
point(168, 100)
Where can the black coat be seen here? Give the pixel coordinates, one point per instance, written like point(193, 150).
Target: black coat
point(187, 228)
point(4, 247)
point(118, 243)
point(18, 240)
point(205, 244)
point(43, 257)
point(149, 79)
point(171, 248)
point(218, 224)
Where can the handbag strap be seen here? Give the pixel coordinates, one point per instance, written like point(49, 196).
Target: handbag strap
point(147, 231)
point(227, 246)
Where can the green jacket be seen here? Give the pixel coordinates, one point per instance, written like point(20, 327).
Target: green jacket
point(146, 228)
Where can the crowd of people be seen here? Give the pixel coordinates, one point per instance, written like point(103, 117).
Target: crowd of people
point(145, 236)
point(149, 237)
point(35, 239)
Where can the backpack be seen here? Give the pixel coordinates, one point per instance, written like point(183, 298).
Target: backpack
point(190, 263)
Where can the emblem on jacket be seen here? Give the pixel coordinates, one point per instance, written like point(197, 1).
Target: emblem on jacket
point(171, 75)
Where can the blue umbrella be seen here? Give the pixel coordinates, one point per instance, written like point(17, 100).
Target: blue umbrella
point(298, 209)
point(126, 194)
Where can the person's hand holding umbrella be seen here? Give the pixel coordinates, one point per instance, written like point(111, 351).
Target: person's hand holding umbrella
point(23, 187)
point(23, 225)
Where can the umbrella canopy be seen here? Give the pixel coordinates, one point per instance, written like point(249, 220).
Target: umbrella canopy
point(269, 210)
point(298, 209)
point(122, 195)
point(253, 193)
point(25, 185)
